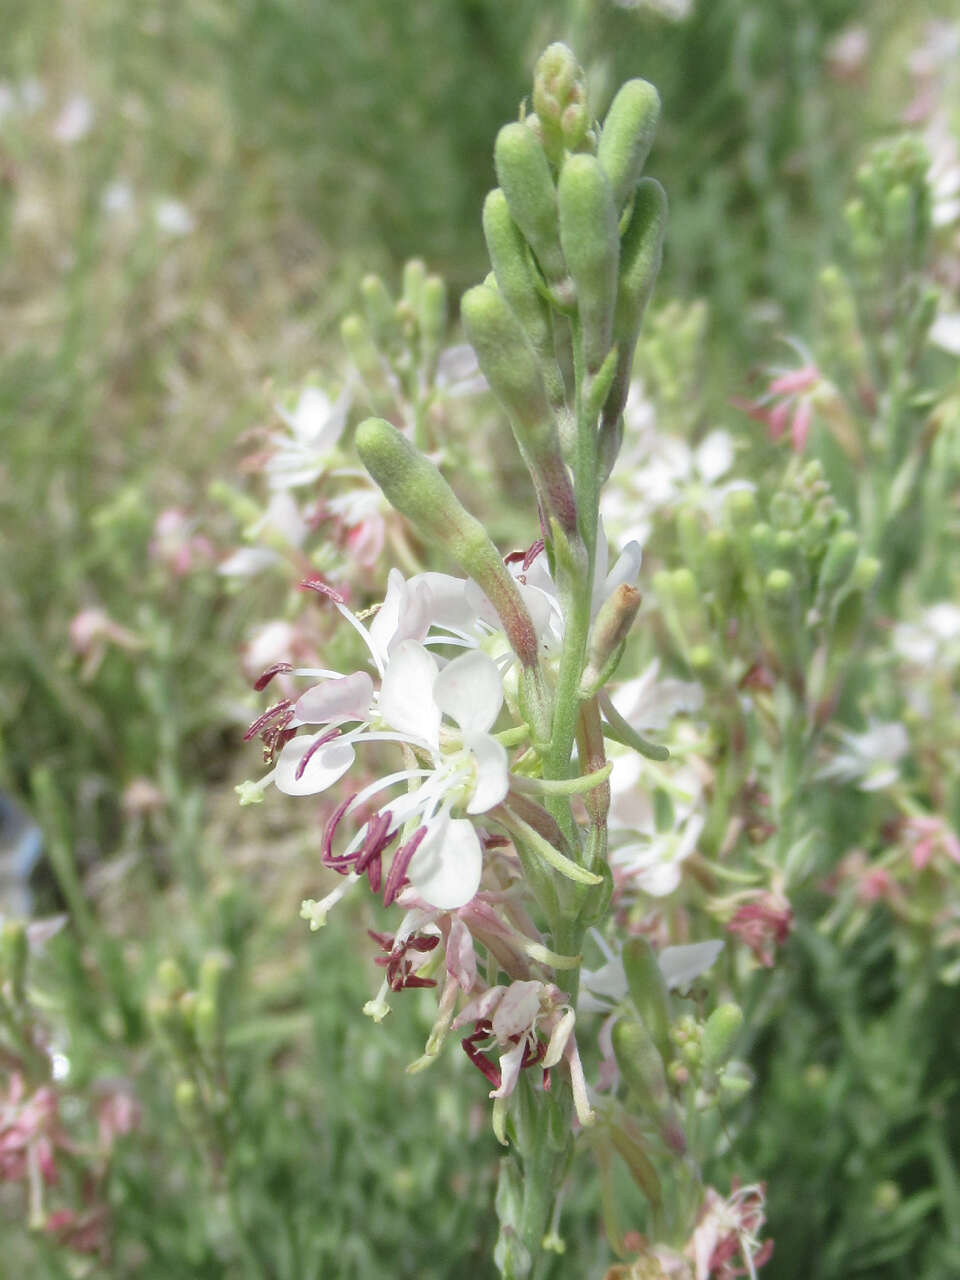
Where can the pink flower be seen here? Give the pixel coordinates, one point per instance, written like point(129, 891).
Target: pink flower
point(787, 403)
point(175, 546)
point(928, 836)
point(727, 1230)
point(29, 1131)
point(763, 924)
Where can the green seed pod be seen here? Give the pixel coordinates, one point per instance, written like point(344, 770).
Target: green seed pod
point(627, 136)
point(641, 251)
point(648, 991)
point(432, 322)
point(607, 635)
point(779, 586)
point(513, 371)
point(416, 488)
point(524, 175)
point(514, 273)
point(719, 1033)
point(591, 246)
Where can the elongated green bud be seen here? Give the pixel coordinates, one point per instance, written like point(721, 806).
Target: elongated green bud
point(513, 371)
point(627, 136)
point(433, 322)
point(515, 277)
point(607, 636)
point(591, 246)
point(416, 488)
point(524, 175)
point(641, 1066)
point(648, 991)
point(414, 276)
point(838, 562)
point(719, 1034)
point(381, 317)
point(641, 251)
point(628, 1139)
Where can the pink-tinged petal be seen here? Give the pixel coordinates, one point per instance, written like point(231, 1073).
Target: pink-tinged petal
point(366, 540)
point(777, 419)
point(469, 690)
point(325, 766)
point(517, 1010)
point(796, 380)
point(406, 696)
point(348, 698)
point(493, 774)
point(445, 871)
point(800, 426)
point(449, 605)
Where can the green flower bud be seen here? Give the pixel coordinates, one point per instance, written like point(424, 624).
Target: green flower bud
point(627, 136)
point(381, 316)
point(591, 246)
point(186, 1098)
point(719, 1034)
point(206, 1023)
point(741, 509)
point(898, 214)
point(560, 100)
point(779, 586)
point(838, 563)
point(432, 322)
point(642, 1069)
point(734, 1088)
point(641, 251)
point(515, 275)
point(361, 350)
point(524, 175)
point(170, 977)
point(763, 546)
point(607, 636)
point(513, 371)
point(865, 573)
point(418, 491)
point(414, 277)
point(648, 991)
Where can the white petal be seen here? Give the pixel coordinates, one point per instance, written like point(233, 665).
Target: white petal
point(510, 1064)
point(517, 1010)
point(445, 871)
point(625, 570)
point(660, 880)
point(469, 690)
point(345, 699)
point(680, 965)
point(325, 767)
point(248, 561)
point(406, 697)
point(493, 775)
point(714, 456)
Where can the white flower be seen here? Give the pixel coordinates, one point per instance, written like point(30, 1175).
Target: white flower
point(658, 471)
point(75, 120)
point(648, 703)
point(945, 332)
point(315, 425)
point(173, 217)
point(926, 640)
point(870, 758)
point(461, 770)
point(680, 966)
point(652, 860)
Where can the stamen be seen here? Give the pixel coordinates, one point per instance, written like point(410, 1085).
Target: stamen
point(327, 856)
point(278, 667)
point(322, 589)
point(398, 868)
point(278, 710)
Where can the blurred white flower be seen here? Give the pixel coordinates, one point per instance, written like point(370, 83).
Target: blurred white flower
point(173, 217)
point(870, 758)
point(117, 198)
point(74, 121)
point(303, 453)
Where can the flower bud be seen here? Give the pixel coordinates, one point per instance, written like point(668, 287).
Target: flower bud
point(432, 322)
point(642, 1068)
point(14, 950)
point(763, 547)
point(187, 1099)
point(560, 100)
point(719, 1033)
point(741, 509)
point(414, 277)
point(838, 562)
point(591, 246)
point(416, 488)
point(609, 631)
point(641, 251)
point(779, 586)
point(648, 991)
point(734, 1087)
point(627, 136)
point(524, 175)
point(513, 371)
point(171, 978)
point(514, 274)
point(381, 317)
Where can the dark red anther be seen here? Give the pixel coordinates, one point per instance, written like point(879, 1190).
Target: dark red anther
point(532, 552)
point(398, 868)
point(315, 747)
point(277, 669)
point(323, 589)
